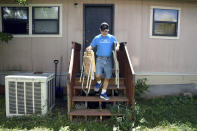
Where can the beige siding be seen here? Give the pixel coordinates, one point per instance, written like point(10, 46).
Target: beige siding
point(132, 24)
point(159, 55)
point(16, 55)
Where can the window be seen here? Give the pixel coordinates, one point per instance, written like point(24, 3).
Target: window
point(15, 20)
point(34, 20)
point(45, 20)
point(165, 22)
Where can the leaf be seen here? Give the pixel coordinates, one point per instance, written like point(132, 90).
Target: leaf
point(22, 2)
point(5, 37)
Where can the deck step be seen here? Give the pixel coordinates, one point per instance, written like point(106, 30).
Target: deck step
point(111, 87)
point(98, 99)
point(111, 81)
point(91, 112)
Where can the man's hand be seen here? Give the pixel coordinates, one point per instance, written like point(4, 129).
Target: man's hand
point(117, 47)
point(89, 48)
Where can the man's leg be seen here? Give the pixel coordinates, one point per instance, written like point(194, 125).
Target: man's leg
point(104, 90)
point(105, 84)
point(99, 70)
point(98, 78)
point(108, 73)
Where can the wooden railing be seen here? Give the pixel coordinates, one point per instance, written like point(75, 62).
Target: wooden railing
point(127, 71)
point(74, 68)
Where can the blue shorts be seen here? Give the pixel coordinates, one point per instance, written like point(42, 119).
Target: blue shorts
point(104, 64)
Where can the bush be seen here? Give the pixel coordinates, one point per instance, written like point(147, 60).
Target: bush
point(140, 88)
point(5, 37)
point(21, 2)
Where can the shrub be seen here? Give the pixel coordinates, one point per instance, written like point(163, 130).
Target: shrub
point(5, 37)
point(140, 87)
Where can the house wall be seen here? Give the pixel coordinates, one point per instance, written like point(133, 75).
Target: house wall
point(131, 24)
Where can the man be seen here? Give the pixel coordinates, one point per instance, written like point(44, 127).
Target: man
point(105, 44)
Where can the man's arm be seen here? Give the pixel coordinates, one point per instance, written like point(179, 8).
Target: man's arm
point(92, 45)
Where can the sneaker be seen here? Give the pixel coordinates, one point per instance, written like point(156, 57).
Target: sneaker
point(104, 96)
point(97, 87)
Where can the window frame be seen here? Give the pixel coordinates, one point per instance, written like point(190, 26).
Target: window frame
point(177, 27)
point(31, 18)
point(58, 20)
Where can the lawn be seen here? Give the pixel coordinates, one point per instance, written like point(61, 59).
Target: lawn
point(170, 113)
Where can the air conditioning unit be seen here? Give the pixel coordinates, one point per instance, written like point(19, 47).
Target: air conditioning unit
point(29, 93)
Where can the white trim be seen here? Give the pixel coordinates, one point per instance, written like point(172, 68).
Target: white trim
point(60, 20)
point(164, 74)
point(164, 37)
point(165, 7)
point(158, 78)
point(151, 23)
point(36, 35)
point(7, 97)
point(16, 5)
point(30, 20)
point(25, 100)
point(16, 88)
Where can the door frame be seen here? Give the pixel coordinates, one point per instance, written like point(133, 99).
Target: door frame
point(96, 5)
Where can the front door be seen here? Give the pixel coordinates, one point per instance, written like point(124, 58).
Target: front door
point(94, 15)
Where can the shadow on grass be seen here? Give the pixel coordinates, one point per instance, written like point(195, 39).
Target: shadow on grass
point(169, 111)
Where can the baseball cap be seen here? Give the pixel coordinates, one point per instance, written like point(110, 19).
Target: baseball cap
point(104, 26)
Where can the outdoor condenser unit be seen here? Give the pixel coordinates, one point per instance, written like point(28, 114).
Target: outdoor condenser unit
point(29, 93)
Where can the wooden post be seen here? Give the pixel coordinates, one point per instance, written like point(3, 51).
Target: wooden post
point(68, 96)
point(112, 92)
point(100, 107)
point(101, 118)
point(125, 92)
point(71, 118)
point(86, 117)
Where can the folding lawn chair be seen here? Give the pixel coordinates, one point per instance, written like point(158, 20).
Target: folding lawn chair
point(116, 66)
point(88, 70)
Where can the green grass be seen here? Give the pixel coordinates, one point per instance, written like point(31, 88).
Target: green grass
point(170, 113)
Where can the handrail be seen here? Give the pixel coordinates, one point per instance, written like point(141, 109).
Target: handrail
point(130, 64)
point(71, 64)
point(127, 70)
point(74, 67)
point(123, 44)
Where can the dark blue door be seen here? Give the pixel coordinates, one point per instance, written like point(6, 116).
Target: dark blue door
point(94, 15)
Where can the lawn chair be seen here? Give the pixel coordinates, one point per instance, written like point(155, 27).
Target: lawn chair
point(116, 66)
point(88, 70)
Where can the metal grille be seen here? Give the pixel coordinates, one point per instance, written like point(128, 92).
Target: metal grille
point(48, 95)
point(20, 97)
point(29, 97)
point(53, 85)
point(12, 97)
point(51, 93)
point(37, 97)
